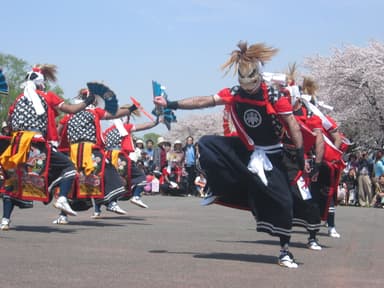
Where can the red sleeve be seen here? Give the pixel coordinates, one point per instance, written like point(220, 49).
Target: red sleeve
point(225, 95)
point(53, 99)
point(282, 106)
point(100, 112)
point(314, 122)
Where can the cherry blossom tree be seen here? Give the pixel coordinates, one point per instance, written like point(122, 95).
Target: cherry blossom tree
point(196, 125)
point(351, 80)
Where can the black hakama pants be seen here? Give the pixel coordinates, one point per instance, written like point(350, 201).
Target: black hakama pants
point(225, 160)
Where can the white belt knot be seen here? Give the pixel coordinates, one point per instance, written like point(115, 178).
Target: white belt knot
point(259, 161)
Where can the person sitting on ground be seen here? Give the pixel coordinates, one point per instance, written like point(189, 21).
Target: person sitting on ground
point(378, 197)
point(167, 181)
point(200, 184)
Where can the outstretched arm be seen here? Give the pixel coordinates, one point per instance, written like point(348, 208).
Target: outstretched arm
point(190, 103)
point(74, 108)
point(71, 108)
point(120, 113)
point(145, 126)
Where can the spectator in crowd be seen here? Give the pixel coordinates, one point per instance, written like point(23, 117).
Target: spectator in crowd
point(168, 182)
point(155, 181)
point(144, 160)
point(364, 181)
point(149, 147)
point(200, 184)
point(378, 167)
point(349, 183)
point(148, 161)
point(5, 129)
point(190, 164)
point(353, 162)
point(175, 159)
point(140, 165)
point(140, 145)
point(136, 155)
point(177, 154)
point(378, 198)
point(160, 154)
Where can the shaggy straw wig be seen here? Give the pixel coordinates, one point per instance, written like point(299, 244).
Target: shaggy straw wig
point(292, 73)
point(245, 58)
point(48, 70)
point(309, 86)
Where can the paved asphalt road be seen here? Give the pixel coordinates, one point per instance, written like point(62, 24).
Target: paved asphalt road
point(178, 243)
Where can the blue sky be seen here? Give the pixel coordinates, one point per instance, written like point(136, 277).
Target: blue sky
point(180, 44)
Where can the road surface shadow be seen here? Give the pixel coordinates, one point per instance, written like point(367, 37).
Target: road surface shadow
point(44, 229)
point(94, 223)
point(122, 217)
point(254, 258)
point(103, 221)
point(291, 244)
point(270, 242)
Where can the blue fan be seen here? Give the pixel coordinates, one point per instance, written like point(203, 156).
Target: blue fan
point(158, 91)
point(105, 97)
point(3, 84)
point(169, 115)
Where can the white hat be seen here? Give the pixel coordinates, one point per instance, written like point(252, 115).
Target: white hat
point(161, 140)
point(4, 124)
point(177, 142)
point(139, 141)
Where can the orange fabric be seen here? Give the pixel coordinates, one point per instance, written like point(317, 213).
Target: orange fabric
point(115, 157)
point(86, 161)
point(17, 151)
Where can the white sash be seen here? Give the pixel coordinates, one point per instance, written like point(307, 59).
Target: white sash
point(120, 127)
point(259, 161)
point(30, 93)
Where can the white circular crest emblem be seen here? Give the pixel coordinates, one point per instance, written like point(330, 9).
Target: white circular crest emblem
point(252, 118)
